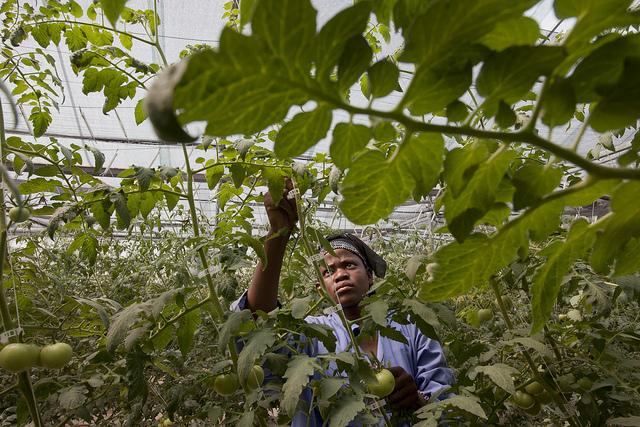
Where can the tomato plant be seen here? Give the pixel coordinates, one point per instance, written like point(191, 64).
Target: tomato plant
point(135, 278)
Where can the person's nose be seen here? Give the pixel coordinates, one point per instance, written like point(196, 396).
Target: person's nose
point(340, 274)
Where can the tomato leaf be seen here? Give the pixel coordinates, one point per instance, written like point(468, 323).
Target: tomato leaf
point(256, 345)
point(299, 370)
point(303, 132)
point(348, 139)
point(346, 410)
point(383, 78)
point(500, 374)
point(374, 186)
point(113, 9)
point(186, 331)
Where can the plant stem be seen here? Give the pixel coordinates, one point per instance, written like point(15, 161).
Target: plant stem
point(524, 136)
point(180, 316)
point(156, 41)
point(24, 380)
point(213, 295)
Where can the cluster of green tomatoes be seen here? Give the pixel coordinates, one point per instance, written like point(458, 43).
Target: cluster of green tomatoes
point(18, 357)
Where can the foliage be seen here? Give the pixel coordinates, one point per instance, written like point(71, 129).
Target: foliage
point(477, 87)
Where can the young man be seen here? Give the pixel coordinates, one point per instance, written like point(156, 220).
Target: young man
point(419, 368)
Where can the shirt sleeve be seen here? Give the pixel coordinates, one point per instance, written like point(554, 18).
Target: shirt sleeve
point(240, 304)
point(432, 373)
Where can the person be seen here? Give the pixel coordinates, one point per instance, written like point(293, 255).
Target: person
point(419, 367)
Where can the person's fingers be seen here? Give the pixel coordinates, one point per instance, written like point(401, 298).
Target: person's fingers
point(397, 371)
point(288, 183)
point(409, 402)
point(399, 395)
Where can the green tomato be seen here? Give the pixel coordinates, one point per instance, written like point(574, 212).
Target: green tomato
point(534, 388)
point(523, 400)
point(55, 356)
point(18, 357)
point(584, 384)
point(383, 385)
point(256, 376)
point(533, 409)
point(544, 398)
point(226, 384)
point(472, 318)
point(485, 314)
point(19, 214)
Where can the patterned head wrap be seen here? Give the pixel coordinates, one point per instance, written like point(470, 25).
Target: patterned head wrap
point(371, 260)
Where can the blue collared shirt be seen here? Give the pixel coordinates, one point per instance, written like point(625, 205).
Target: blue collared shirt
point(422, 357)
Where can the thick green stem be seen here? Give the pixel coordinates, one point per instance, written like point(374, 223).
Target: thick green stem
point(525, 136)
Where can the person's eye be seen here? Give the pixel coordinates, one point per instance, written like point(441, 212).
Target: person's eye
point(350, 265)
point(326, 273)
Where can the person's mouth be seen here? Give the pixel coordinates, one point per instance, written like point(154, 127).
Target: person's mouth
point(343, 288)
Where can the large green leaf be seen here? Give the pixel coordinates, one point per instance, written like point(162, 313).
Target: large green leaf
point(510, 74)
point(348, 139)
point(112, 9)
point(500, 374)
point(620, 105)
point(236, 90)
point(466, 403)
point(560, 257)
point(288, 28)
point(558, 103)
point(346, 410)
point(594, 16)
point(383, 78)
point(517, 31)
point(619, 228)
point(603, 67)
point(464, 210)
point(431, 90)
point(303, 132)
point(353, 62)
point(447, 26)
point(333, 36)
point(258, 342)
point(534, 181)
point(299, 370)
point(457, 267)
point(375, 185)
point(186, 331)
point(462, 162)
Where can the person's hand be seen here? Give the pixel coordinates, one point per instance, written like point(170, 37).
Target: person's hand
point(284, 214)
point(405, 393)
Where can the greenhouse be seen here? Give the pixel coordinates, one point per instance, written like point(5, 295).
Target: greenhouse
point(320, 212)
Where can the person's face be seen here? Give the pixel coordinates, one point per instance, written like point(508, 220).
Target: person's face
point(346, 278)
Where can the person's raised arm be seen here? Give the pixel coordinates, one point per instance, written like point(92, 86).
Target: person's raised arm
point(263, 290)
